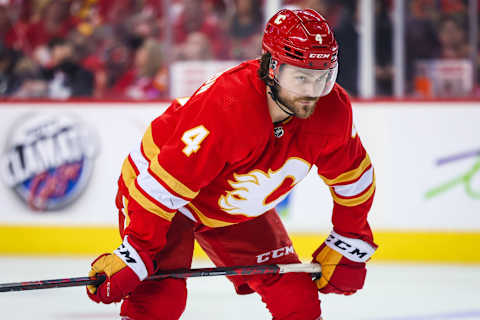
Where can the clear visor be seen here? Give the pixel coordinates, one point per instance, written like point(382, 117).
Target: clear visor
point(306, 82)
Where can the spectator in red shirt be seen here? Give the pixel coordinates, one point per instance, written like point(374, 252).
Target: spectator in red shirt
point(195, 18)
point(148, 78)
point(55, 22)
point(197, 47)
point(115, 11)
point(8, 35)
point(113, 72)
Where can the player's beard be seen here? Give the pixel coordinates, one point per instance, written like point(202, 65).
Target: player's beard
point(301, 106)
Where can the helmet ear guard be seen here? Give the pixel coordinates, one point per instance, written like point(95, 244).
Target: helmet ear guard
point(272, 65)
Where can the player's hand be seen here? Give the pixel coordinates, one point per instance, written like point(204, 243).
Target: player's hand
point(124, 270)
point(343, 264)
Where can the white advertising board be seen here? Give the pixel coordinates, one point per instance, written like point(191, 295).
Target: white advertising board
point(427, 162)
point(117, 129)
point(188, 76)
point(426, 157)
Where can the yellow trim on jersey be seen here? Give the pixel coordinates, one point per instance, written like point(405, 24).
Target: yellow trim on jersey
point(354, 201)
point(349, 175)
point(151, 151)
point(209, 222)
point(149, 147)
point(147, 204)
point(170, 181)
point(128, 175)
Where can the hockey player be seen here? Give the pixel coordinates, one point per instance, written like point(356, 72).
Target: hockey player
point(213, 167)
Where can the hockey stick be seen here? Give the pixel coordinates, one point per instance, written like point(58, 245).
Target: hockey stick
point(312, 268)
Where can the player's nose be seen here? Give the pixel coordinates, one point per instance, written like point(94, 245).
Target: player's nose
point(309, 90)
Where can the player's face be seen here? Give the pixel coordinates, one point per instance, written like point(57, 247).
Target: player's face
point(301, 106)
point(301, 88)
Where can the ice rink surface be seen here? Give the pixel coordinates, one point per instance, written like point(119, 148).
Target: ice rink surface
point(392, 292)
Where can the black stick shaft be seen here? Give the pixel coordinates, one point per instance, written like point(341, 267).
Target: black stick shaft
point(223, 271)
point(184, 273)
point(53, 283)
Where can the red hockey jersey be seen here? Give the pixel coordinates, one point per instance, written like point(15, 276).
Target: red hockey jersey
point(218, 158)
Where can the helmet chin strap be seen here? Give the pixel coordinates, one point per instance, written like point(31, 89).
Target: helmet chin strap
point(274, 94)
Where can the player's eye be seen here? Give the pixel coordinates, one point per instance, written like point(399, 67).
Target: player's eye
point(321, 78)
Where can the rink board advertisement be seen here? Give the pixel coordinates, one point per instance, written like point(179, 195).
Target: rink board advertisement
point(60, 163)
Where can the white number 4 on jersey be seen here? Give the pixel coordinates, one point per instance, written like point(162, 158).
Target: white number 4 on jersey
point(193, 138)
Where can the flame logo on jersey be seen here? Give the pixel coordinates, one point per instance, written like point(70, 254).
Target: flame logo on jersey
point(258, 191)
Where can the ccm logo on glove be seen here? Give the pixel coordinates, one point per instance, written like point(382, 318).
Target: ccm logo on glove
point(343, 264)
point(123, 251)
point(132, 259)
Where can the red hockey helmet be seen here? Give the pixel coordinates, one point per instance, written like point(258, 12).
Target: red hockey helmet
point(303, 39)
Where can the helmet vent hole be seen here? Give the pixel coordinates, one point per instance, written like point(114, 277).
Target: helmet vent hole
point(293, 56)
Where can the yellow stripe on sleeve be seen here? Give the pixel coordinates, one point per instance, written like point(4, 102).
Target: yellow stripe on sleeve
point(349, 175)
point(128, 175)
point(147, 204)
point(151, 151)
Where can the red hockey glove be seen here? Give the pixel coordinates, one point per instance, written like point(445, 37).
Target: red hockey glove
point(343, 264)
point(125, 269)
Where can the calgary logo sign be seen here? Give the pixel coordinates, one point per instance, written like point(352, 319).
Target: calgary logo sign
point(48, 159)
point(469, 179)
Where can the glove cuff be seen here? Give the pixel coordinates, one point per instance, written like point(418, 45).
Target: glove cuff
point(129, 255)
point(353, 249)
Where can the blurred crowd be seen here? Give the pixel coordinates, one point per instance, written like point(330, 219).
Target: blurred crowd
point(438, 49)
point(122, 49)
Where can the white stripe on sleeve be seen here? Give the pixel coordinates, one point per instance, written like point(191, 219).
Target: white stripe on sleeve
point(151, 186)
point(353, 189)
